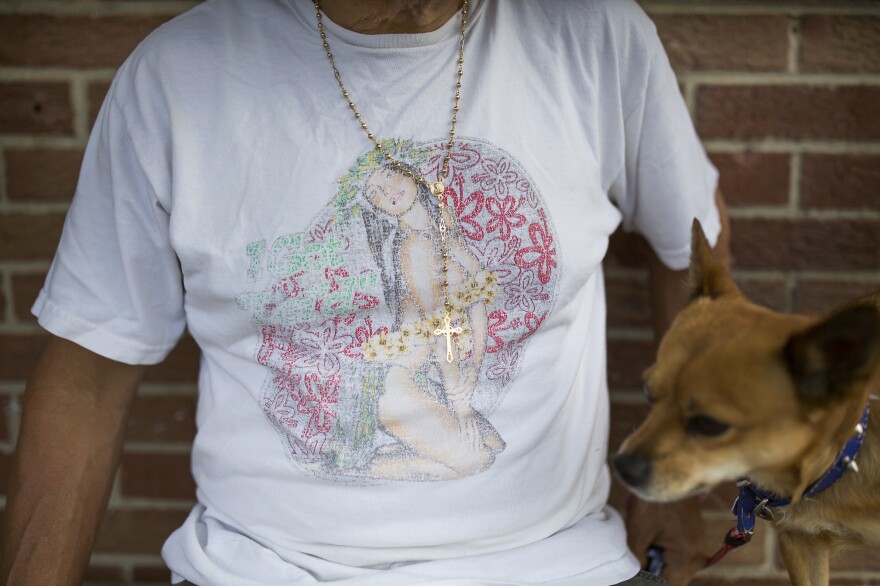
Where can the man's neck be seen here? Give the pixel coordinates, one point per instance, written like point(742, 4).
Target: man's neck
point(374, 17)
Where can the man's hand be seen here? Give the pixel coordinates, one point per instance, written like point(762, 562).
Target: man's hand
point(675, 527)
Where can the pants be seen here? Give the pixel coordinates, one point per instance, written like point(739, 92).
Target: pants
point(644, 579)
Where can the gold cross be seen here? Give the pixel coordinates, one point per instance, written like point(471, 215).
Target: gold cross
point(447, 331)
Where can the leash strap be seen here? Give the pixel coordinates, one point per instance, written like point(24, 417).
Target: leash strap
point(732, 540)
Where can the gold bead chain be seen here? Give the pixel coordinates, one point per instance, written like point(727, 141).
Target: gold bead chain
point(437, 188)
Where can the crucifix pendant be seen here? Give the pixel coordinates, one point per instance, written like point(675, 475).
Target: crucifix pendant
point(447, 331)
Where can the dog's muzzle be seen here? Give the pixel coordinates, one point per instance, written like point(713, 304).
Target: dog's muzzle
point(634, 469)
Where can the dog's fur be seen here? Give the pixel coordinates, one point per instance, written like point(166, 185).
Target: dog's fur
point(739, 391)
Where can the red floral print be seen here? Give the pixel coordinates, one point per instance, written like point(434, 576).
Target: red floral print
point(496, 176)
point(467, 209)
point(321, 395)
point(542, 253)
point(505, 215)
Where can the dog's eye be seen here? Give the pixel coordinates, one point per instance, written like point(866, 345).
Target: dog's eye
point(705, 425)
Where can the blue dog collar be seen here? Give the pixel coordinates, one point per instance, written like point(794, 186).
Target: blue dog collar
point(753, 502)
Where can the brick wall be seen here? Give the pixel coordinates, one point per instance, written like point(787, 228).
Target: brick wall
point(785, 94)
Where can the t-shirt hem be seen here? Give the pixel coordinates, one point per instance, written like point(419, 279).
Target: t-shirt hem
point(64, 324)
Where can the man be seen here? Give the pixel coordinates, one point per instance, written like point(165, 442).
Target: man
point(402, 324)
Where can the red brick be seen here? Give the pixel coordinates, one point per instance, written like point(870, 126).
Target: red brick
point(5, 300)
point(788, 112)
point(37, 40)
point(806, 244)
point(5, 468)
point(619, 494)
point(182, 365)
point(162, 418)
point(772, 293)
point(818, 297)
point(25, 288)
point(753, 179)
point(840, 43)
point(25, 236)
point(165, 476)
point(720, 499)
point(629, 298)
point(5, 414)
point(19, 354)
point(139, 531)
point(42, 174)
point(96, 93)
point(103, 574)
point(841, 181)
point(628, 301)
point(157, 574)
point(627, 361)
point(627, 249)
point(625, 419)
point(721, 580)
point(749, 43)
point(858, 559)
point(35, 108)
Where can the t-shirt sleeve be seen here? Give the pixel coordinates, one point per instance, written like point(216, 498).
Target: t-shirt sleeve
point(667, 180)
point(115, 285)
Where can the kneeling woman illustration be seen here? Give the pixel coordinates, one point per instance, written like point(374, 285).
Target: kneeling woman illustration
point(426, 403)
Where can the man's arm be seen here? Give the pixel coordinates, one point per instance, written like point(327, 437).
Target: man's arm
point(676, 527)
point(75, 409)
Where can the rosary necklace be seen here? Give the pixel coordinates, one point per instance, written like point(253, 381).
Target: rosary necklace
point(438, 187)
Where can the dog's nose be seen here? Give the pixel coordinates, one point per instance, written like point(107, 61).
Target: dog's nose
point(634, 469)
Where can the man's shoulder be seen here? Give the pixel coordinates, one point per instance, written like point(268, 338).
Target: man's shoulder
point(211, 30)
point(587, 21)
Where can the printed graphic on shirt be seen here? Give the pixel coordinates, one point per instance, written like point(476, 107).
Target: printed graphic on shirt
point(358, 384)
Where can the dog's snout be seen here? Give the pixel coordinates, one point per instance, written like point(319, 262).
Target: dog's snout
point(634, 469)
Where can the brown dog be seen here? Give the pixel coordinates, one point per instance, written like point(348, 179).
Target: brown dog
point(741, 392)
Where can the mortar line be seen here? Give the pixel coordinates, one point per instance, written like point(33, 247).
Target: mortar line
point(25, 266)
point(761, 78)
point(4, 197)
point(160, 448)
point(34, 207)
point(151, 504)
point(30, 141)
point(105, 558)
point(79, 101)
point(788, 213)
point(791, 291)
point(12, 73)
point(819, 146)
point(690, 97)
point(96, 8)
point(794, 182)
point(794, 44)
point(14, 418)
point(9, 311)
point(154, 389)
point(20, 328)
point(630, 333)
point(756, 8)
point(858, 276)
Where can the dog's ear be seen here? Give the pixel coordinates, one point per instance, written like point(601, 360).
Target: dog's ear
point(708, 277)
point(831, 356)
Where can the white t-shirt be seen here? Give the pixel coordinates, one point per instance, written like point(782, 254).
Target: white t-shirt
point(227, 188)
